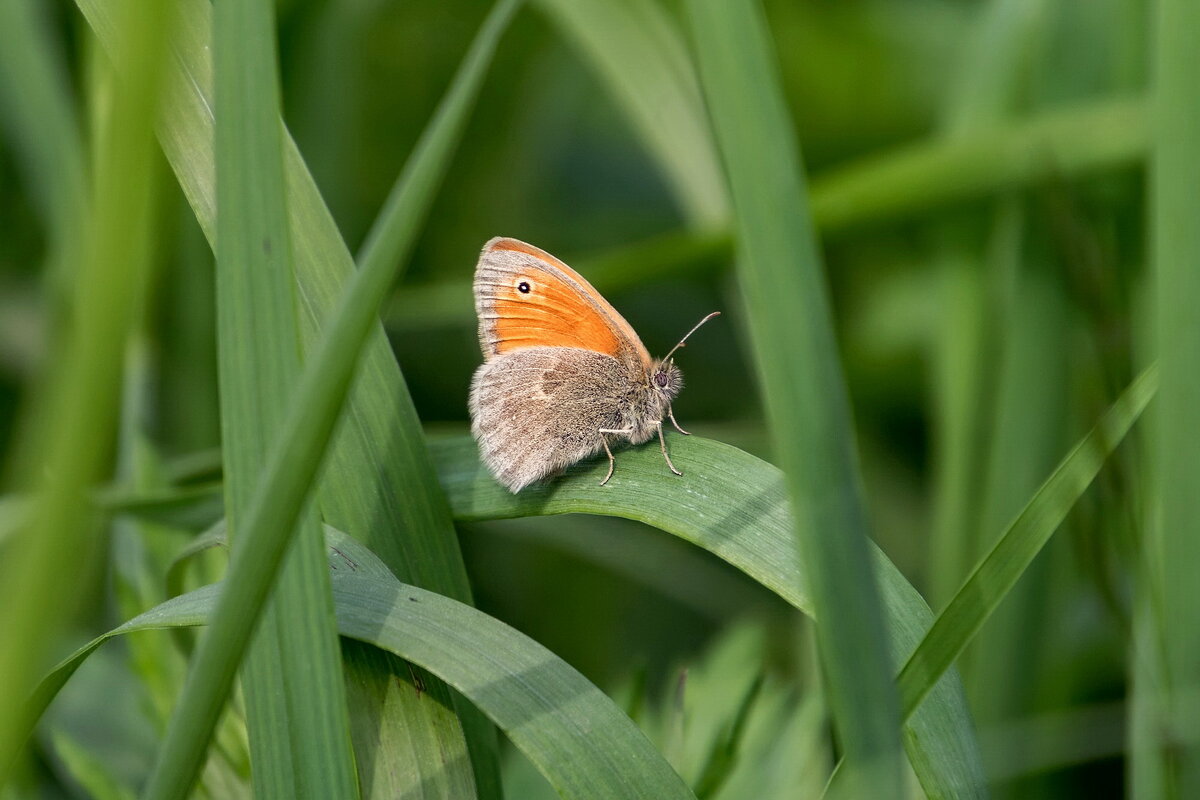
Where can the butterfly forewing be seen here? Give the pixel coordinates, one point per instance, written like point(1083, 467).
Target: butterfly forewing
point(526, 297)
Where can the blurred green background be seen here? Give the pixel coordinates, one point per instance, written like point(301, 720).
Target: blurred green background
point(982, 331)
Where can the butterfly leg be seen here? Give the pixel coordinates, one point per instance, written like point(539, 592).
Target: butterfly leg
point(612, 462)
point(662, 443)
point(671, 415)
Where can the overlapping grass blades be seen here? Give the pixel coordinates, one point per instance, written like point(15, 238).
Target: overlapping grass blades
point(996, 574)
point(382, 488)
point(296, 718)
point(306, 429)
point(73, 425)
point(735, 506)
point(583, 744)
point(781, 273)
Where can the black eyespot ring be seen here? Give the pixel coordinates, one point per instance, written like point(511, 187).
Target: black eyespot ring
point(523, 287)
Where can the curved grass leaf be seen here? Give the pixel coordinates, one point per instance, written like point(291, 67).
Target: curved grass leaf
point(999, 570)
point(584, 745)
point(735, 506)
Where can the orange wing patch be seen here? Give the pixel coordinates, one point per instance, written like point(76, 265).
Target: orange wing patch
point(548, 315)
point(526, 297)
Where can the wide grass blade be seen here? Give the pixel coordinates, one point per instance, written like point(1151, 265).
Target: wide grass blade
point(76, 418)
point(781, 273)
point(296, 717)
point(580, 740)
point(301, 443)
point(735, 506)
point(1175, 252)
point(379, 484)
point(999, 570)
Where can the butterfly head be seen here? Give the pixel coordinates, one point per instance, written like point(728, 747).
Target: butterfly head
point(667, 379)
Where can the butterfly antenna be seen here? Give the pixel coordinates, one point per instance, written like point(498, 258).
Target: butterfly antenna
point(695, 328)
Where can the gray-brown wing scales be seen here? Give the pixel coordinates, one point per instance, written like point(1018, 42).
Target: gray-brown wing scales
point(536, 411)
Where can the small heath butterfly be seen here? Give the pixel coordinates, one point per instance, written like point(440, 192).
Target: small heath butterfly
point(562, 370)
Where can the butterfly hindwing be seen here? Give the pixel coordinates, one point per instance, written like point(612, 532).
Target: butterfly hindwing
point(536, 411)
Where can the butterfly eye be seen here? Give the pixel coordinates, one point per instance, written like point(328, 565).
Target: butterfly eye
point(523, 287)
point(660, 378)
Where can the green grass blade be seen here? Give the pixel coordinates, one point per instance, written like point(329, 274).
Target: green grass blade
point(1148, 769)
point(935, 173)
point(735, 506)
point(296, 717)
point(379, 484)
point(1027, 439)
point(807, 406)
point(1052, 740)
point(1175, 251)
point(961, 384)
point(348, 502)
point(297, 452)
point(580, 740)
point(637, 49)
point(999, 570)
point(76, 419)
point(990, 78)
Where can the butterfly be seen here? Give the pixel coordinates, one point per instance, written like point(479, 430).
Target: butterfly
point(562, 370)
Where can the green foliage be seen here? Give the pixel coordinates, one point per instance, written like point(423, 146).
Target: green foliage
point(959, 286)
point(1174, 543)
point(808, 411)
